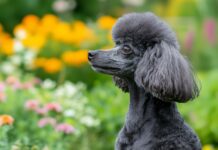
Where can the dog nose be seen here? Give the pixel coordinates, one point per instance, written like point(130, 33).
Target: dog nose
point(91, 54)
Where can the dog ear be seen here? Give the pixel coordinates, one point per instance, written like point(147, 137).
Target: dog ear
point(166, 74)
point(121, 83)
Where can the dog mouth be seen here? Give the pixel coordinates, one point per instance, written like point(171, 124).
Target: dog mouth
point(105, 68)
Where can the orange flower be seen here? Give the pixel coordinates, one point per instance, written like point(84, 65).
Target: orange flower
point(6, 44)
point(31, 22)
point(1, 29)
point(52, 65)
point(48, 23)
point(68, 57)
point(6, 119)
point(75, 58)
point(34, 41)
point(81, 33)
point(61, 32)
point(106, 22)
point(39, 62)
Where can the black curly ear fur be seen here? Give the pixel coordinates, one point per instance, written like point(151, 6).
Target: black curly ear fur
point(166, 74)
point(121, 83)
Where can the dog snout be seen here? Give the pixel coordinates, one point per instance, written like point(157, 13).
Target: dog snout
point(91, 55)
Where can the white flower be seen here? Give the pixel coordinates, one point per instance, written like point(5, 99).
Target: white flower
point(29, 55)
point(70, 89)
point(7, 68)
point(69, 113)
point(63, 5)
point(28, 58)
point(16, 60)
point(60, 92)
point(20, 34)
point(67, 90)
point(89, 121)
point(135, 3)
point(48, 84)
point(18, 46)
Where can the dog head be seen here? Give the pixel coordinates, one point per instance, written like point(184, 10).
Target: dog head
point(147, 51)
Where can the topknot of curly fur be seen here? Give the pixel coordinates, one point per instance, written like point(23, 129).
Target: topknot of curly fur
point(144, 28)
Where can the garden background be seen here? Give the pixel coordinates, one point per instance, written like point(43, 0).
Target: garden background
point(50, 99)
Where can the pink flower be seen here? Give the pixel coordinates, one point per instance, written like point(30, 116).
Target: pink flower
point(46, 121)
point(210, 30)
point(2, 97)
point(27, 85)
point(17, 85)
point(36, 81)
point(2, 87)
point(41, 111)
point(53, 107)
point(32, 104)
point(11, 80)
point(189, 40)
point(14, 82)
point(65, 128)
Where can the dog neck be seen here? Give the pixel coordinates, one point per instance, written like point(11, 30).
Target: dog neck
point(146, 109)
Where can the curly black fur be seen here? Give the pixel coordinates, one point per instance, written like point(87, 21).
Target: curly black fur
point(146, 62)
point(121, 83)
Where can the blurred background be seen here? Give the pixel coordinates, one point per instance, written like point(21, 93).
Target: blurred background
point(50, 99)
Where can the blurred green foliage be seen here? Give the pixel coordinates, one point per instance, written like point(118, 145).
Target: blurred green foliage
point(202, 113)
point(12, 11)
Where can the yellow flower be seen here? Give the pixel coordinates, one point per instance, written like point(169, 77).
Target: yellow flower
point(48, 23)
point(207, 147)
point(106, 22)
point(81, 33)
point(75, 58)
point(61, 32)
point(34, 41)
point(31, 22)
point(52, 65)
point(6, 120)
point(77, 33)
point(39, 62)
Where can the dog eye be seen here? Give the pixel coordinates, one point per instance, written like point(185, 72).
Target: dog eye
point(126, 50)
point(117, 42)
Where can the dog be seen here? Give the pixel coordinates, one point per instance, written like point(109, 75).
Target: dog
point(146, 62)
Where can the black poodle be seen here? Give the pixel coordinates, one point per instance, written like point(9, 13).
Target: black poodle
point(146, 62)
